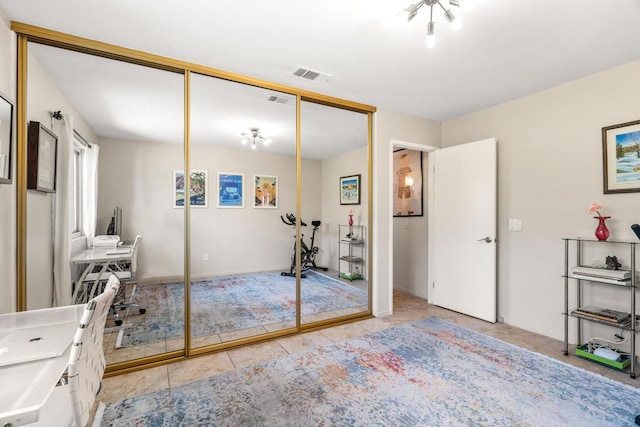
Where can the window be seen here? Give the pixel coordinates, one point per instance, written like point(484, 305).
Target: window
point(79, 147)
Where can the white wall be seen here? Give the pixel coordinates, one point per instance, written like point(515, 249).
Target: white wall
point(333, 213)
point(137, 176)
point(8, 191)
point(550, 170)
point(410, 254)
point(43, 96)
point(391, 126)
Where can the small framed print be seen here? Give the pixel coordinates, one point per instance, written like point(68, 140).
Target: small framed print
point(407, 183)
point(198, 189)
point(230, 190)
point(350, 190)
point(265, 191)
point(621, 158)
point(42, 147)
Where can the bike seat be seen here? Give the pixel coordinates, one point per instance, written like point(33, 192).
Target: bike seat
point(316, 224)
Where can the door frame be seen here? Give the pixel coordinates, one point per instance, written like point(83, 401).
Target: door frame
point(393, 145)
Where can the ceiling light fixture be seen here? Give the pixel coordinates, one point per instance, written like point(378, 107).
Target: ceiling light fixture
point(254, 137)
point(406, 15)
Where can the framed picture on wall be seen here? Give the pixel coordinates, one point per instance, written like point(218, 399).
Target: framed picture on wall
point(350, 190)
point(230, 190)
point(621, 157)
point(198, 189)
point(265, 189)
point(42, 146)
point(407, 183)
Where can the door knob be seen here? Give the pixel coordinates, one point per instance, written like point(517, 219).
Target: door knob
point(486, 239)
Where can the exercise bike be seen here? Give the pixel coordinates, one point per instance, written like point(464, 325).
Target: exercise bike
point(307, 254)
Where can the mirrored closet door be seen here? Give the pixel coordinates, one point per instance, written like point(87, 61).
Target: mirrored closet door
point(334, 196)
point(243, 177)
point(115, 135)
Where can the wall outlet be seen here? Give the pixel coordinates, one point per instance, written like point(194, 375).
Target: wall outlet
point(205, 256)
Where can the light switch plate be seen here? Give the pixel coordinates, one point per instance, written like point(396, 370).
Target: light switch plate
point(515, 224)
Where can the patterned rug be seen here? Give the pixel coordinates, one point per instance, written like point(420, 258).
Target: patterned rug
point(427, 373)
point(232, 303)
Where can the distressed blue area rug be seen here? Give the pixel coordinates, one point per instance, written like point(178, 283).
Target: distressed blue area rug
point(427, 373)
point(232, 303)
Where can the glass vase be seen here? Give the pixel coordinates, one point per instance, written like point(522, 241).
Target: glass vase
point(602, 232)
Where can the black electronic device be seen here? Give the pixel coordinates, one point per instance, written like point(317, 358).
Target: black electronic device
point(636, 229)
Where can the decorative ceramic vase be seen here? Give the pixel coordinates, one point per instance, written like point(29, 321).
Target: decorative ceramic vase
point(602, 232)
point(351, 222)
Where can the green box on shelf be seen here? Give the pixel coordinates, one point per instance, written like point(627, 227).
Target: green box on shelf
point(623, 363)
point(353, 276)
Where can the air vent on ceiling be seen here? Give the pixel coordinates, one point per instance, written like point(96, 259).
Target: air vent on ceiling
point(278, 99)
point(316, 76)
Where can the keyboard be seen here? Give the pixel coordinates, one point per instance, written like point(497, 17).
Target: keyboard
point(118, 251)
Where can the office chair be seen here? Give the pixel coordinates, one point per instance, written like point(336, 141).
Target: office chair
point(126, 272)
point(70, 404)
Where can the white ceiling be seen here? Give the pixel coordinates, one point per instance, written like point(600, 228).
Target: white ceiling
point(507, 48)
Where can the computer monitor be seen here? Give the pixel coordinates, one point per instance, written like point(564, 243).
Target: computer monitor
point(115, 226)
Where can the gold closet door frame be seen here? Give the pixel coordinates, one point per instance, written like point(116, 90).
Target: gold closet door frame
point(28, 33)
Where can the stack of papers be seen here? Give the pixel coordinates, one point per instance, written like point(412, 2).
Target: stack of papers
point(601, 273)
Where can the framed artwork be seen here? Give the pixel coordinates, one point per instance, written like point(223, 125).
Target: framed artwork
point(265, 191)
point(230, 190)
point(198, 186)
point(407, 183)
point(42, 146)
point(6, 138)
point(350, 190)
point(621, 157)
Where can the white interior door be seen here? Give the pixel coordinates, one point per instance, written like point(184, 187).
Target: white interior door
point(463, 229)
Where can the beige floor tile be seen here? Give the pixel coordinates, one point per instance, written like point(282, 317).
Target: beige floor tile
point(134, 384)
point(242, 333)
point(256, 353)
point(199, 367)
point(344, 332)
point(280, 326)
point(205, 341)
point(124, 354)
point(304, 342)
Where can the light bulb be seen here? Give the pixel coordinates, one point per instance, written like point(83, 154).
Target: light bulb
point(431, 36)
point(456, 24)
point(244, 141)
point(431, 41)
point(267, 141)
point(253, 146)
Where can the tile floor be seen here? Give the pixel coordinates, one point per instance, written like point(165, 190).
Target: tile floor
point(407, 308)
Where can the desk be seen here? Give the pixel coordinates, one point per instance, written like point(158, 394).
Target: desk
point(108, 263)
point(26, 386)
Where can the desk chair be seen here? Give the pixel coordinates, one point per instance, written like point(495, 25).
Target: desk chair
point(124, 271)
point(127, 272)
point(70, 404)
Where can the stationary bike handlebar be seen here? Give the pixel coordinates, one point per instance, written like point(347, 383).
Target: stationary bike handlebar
point(291, 220)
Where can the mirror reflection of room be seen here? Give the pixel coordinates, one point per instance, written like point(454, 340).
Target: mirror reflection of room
point(121, 192)
point(334, 207)
point(110, 186)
